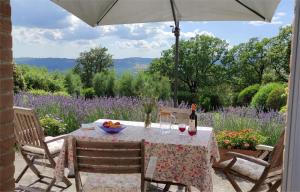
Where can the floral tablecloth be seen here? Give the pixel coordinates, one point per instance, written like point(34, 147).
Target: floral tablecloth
point(180, 158)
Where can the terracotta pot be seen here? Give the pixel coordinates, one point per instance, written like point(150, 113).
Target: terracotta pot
point(224, 157)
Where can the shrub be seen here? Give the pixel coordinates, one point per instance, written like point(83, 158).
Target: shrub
point(209, 101)
point(52, 126)
point(61, 93)
point(259, 100)
point(125, 85)
point(104, 83)
point(73, 84)
point(283, 109)
point(276, 99)
point(246, 95)
point(39, 92)
point(244, 139)
point(19, 81)
point(88, 93)
point(184, 96)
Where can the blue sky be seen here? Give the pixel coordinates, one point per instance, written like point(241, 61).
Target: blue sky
point(42, 29)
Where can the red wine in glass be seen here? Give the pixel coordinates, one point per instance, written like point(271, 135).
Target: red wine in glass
point(182, 127)
point(192, 132)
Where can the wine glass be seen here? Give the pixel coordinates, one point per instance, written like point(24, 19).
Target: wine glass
point(192, 131)
point(182, 128)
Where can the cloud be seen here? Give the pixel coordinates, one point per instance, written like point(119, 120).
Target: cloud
point(275, 21)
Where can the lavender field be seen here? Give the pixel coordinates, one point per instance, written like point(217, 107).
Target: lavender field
point(74, 111)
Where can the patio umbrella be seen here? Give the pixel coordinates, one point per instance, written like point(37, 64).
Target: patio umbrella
point(112, 12)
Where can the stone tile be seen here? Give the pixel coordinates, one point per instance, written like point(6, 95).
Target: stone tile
point(219, 181)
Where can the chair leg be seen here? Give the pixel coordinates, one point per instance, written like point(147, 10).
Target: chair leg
point(67, 182)
point(166, 188)
point(188, 188)
point(275, 186)
point(21, 174)
point(48, 189)
point(232, 181)
point(30, 164)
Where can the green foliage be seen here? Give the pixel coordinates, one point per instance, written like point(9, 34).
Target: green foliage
point(39, 92)
point(40, 78)
point(199, 62)
point(91, 62)
point(280, 51)
point(61, 93)
point(245, 139)
point(88, 93)
point(246, 95)
point(104, 84)
point(73, 84)
point(259, 100)
point(209, 101)
point(52, 126)
point(246, 63)
point(276, 99)
point(125, 85)
point(19, 81)
point(283, 109)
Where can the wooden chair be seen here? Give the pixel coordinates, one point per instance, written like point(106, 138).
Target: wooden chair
point(121, 165)
point(264, 171)
point(182, 116)
point(35, 148)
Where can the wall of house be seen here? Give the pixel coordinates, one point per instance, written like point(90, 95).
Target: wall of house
point(7, 141)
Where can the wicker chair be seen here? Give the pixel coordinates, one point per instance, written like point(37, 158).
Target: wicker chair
point(265, 171)
point(114, 166)
point(35, 148)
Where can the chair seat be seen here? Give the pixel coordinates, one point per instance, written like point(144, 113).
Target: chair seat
point(98, 182)
point(54, 147)
point(246, 168)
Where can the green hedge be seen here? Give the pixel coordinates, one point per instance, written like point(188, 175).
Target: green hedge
point(246, 95)
point(276, 99)
point(259, 100)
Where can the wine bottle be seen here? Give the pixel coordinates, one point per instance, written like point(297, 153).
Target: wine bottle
point(193, 119)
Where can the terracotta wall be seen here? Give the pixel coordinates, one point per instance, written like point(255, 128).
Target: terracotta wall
point(7, 154)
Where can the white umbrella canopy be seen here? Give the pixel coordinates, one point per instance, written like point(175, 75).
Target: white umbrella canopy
point(112, 12)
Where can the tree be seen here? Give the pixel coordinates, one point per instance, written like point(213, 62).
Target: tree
point(199, 62)
point(280, 51)
point(125, 85)
point(91, 62)
point(247, 62)
point(19, 81)
point(104, 84)
point(73, 84)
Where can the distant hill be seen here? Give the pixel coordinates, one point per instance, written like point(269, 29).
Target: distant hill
point(132, 64)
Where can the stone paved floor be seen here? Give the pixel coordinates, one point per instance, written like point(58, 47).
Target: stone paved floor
point(220, 184)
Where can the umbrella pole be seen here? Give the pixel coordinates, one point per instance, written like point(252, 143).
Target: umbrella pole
point(177, 34)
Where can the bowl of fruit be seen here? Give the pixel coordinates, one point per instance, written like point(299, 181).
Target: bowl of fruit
point(112, 128)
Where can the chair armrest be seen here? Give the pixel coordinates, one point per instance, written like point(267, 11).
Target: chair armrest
point(249, 158)
point(264, 148)
point(57, 138)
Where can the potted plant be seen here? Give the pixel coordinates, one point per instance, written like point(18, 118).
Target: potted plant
point(243, 141)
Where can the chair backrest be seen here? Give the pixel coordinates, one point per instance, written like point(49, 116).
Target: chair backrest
point(181, 115)
point(27, 130)
point(108, 157)
point(276, 157)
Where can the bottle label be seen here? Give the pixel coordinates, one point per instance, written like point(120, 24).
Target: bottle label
point(192, 124)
